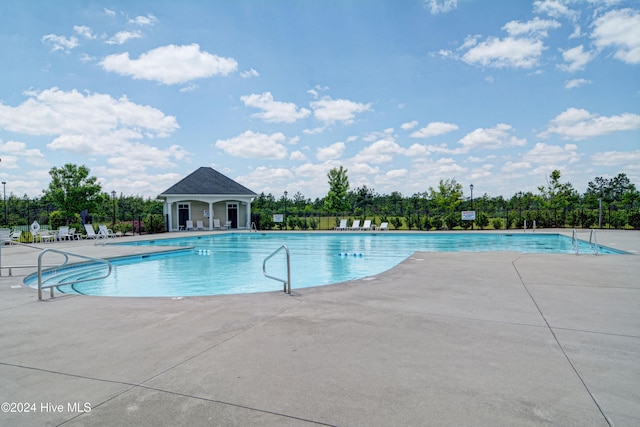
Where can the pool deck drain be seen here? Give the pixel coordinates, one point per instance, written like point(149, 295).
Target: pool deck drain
point(498, 338)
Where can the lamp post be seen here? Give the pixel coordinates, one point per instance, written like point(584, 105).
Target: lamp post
point(4, 199)
point(471, 187)
point(113, 197)
point(285, 209)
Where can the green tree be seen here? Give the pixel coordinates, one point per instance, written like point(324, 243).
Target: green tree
point(448, 195)
point(336, 200)
point(72, 189)
point(558, 196)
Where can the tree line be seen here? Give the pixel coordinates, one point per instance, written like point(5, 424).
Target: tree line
point(607, 202)
point(73, 190)
point(613, 203)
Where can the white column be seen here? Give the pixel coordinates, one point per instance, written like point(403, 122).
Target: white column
point(210, 215)
point(168, 212)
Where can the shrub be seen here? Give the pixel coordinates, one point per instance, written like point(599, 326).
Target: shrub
point(496, 223)
point(482, 220)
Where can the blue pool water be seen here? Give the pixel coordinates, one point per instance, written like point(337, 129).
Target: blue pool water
point(232, 263)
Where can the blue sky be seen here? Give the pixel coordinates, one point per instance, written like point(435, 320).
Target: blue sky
point(403, 93)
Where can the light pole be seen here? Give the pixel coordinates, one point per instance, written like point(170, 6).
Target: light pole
point(285, 209)
point(4, 199)
point(113, 196)
point(471, 187)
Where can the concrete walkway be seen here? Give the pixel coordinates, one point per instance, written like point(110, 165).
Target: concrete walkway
point(483, 339)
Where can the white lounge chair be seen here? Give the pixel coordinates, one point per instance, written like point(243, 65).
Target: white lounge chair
point(73, 235)
point(356, 225)
point(227, 224)
point(103, 230)
point(63, 233)
point(15, 236)
point(199, 225)
point(46, 236)
point(366, 225)
point(5, 236)
point(189, 225)
point(91, 232)
point(384, 226)
point(216, 224)
point(342, 226)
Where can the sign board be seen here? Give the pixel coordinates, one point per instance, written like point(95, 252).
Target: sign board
point(468, 215)
point(206, 214)
point(277, 218)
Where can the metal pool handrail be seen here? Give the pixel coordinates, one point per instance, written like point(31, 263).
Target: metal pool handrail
point(593, 241)
point(286, 283)
point(66, 255)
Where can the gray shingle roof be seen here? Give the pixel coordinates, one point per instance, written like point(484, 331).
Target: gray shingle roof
point(206, 180)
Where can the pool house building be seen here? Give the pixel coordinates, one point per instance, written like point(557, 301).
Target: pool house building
point(206, 199)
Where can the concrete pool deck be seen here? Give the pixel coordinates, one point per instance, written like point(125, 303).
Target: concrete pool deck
point(493, 338)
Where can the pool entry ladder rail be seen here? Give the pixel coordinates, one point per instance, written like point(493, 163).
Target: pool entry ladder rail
point(593, 241)
point(92, 266)
point(286, 283)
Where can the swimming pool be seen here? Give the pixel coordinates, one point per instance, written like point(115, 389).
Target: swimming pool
point(232, 263)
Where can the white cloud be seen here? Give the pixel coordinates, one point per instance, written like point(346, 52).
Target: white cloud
point(440, 6)
point(553, 8)
point(576, 58)
point(536, 27)
point(84, 31)
point(379, 152)
point(417, 150)
point(337, 110)
point(617, 158)
point(94, 125)
point(545, 154)
point(571, 84)
point(333, 151)
point(409, 125)
point(109, 12)
point(15, 152)
point(170, 64)
point(62, 43)
point(265, 174)
point(491, 138)
point(511, 167)
point(434, 129)
point(274, 111)
point(56, 112)
point(619, 29)
point(254, 145)
point(505, 53)
point(144, 20)
point(122, 37)
point(249, 73)
point(578, 124)
point(297, 155)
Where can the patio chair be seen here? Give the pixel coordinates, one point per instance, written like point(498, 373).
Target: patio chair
point(73, 235)
point(356, 225)
point(106, 232)
point(199, 225)
point(91, 232)
point(216, 224)
point(63, 233)
point(46, 236)
point(5, 236)
point(384, 226)
point(189, 225)
point(342, 226)
point(15, 236)
point(366, 225)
